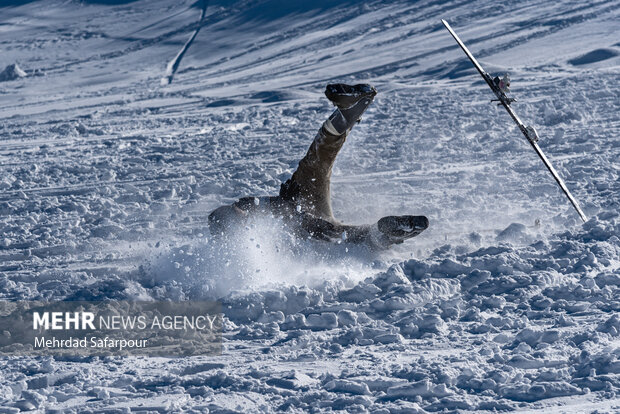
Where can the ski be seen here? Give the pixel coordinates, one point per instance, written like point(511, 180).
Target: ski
point(500, 87)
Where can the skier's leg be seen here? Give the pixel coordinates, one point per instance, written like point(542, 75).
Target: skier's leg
point(386, 232)
point(310, 184)
point(325, 230)
point(381, 235)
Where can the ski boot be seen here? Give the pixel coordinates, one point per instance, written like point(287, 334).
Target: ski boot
point(351, 101)
point(397, 229)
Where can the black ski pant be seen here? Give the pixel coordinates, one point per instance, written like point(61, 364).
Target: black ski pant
point(304, 200)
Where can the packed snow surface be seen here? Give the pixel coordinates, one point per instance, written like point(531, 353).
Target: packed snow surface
point(508, 302)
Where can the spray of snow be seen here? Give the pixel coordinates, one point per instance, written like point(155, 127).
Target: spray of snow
point(259, 256)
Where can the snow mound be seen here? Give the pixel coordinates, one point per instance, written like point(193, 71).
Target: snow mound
point(12, 72)
point(594, 56)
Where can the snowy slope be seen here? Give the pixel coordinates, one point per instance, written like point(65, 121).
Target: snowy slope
point(107, 176)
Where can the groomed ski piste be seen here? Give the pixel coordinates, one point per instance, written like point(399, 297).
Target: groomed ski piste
point(508, 302)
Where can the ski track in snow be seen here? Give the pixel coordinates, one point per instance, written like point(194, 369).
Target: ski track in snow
point(172, 67)
point(107, 179)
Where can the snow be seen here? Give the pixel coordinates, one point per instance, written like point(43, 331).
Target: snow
point(12, 72)
point(107, 176)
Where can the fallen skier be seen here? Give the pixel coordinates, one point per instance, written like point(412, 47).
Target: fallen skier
point(304, 200)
